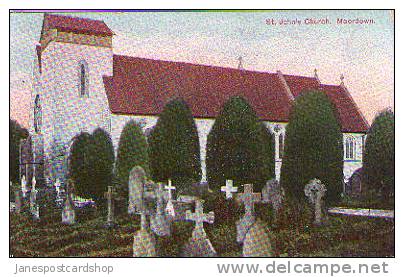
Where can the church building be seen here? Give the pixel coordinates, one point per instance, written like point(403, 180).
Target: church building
point(79, 84)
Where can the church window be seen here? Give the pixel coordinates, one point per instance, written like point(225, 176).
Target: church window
point(83, 79)
point(37, 114)
point(349, 148)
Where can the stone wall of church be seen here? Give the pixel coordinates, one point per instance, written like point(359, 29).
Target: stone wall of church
point(65, 112)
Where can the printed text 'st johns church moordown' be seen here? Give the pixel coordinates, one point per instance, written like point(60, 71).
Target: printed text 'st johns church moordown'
point(80, 85)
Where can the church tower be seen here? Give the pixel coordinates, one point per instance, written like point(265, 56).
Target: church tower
point(68, 95)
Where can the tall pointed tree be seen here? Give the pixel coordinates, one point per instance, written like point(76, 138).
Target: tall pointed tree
point(313, 147)
point(174, 146)
point(132, 151)
point(239, 147)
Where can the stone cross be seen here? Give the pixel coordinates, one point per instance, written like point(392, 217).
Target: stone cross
point(229, 189)
point(170, 187)
point(24, 186)
point(109, 195)
point(199, 217)
point(170, 206)
point(68, 214)
point(315, 191)
point(57, 188)
point(249, 198)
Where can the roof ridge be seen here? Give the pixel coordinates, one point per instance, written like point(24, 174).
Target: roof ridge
point(74, 17)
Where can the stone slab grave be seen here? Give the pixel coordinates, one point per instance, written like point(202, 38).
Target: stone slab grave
point(257, 242)
point(273, 194)
point(144, 244)
point(249, 198)
point(199, 244)
point(68, 213)
point(315, 192)
point(229, 189)
point(109, 195)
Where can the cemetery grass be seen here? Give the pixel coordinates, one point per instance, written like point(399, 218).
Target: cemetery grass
point(341, 236)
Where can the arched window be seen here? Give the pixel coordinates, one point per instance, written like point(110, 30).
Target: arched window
point(349, 148)
point(37, 114)
point(83, 79)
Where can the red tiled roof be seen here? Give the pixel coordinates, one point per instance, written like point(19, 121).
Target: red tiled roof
point(143, 86)
point(350, 117)
point(77, 25)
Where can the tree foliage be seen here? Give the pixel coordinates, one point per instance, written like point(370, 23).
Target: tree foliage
point(239, 147)
point(174, 146)
point(313, 147)
point(16, 134)
point(91, 163)
point(132, 151)
point(378, 161)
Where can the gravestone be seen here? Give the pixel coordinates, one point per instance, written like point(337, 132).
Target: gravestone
point(159, 223)
point(57, 188)
point(17, 202)
point(273, 194)
point(68, 213)
point(137, 180)
point(229, 189)
point(110, 216)
point(315, 191)
point(170, 206)
point(24, 188)
point(143, 241)
point(257, 242)
point(249, 198)
point(33, 205)
point(199, 244)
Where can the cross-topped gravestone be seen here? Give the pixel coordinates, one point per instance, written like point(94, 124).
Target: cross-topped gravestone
point(109, 195)
point(273, 193)
point(229, 189)
point(57, 188)
point(24, 188)
point(159, 223)
point(315, 191)
point(170, 206)
point(68, 214)
point(199, 217)
point(249, 198)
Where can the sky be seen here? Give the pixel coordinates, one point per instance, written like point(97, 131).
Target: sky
point(363, 53)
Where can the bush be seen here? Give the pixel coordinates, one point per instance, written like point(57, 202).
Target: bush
point(313, 147)
point(91, 164)
point(378, 160)
point(174, 147)
point(132, 151)
point(16, 134)
point(239, 147)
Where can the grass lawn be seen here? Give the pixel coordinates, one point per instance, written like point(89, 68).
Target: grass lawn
point(343, 236)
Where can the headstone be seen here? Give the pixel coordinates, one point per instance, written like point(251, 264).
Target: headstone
point(110, 216)
point(143, 241)
point(199, 244)
point(170, 206)
point(33, 183)
point(24, 188)
point(159, 223)
point(257, 242)
point(57, 188)
point(137, 180)
point(273, 194)
point(199, 217)
point(17, 202)
point(315, 191)
point(249, 198)
point(32, 200)
point(68, 214)
point(229, 189)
